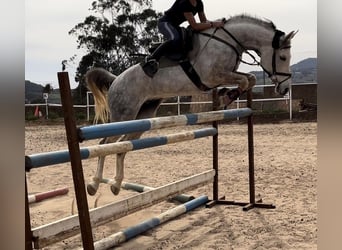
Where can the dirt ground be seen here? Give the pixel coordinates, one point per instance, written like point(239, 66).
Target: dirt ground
point(285, 175)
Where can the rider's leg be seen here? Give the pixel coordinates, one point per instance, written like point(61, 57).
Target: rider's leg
point(173, 42)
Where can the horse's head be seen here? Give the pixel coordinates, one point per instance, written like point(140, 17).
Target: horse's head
point(275, 60)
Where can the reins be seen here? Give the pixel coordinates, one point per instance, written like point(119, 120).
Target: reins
point(238, 53)
point(275, 46)
point(205, 45)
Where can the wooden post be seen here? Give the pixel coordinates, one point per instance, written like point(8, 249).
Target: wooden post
point(28, 232)
point(75, 159)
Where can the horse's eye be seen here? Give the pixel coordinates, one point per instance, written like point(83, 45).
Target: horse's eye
point(283, 58)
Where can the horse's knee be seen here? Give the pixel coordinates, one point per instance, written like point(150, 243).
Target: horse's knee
point(243, 83)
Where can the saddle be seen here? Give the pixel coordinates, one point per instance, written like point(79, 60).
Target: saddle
point(180, 58)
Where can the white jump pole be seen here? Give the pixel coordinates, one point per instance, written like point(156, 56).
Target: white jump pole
point(182, 198)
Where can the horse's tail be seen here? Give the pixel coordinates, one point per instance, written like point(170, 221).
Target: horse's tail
point(98, 82)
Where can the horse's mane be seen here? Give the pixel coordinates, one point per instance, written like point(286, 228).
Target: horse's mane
point(248, 18)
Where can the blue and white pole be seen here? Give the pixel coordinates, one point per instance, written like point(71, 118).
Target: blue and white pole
point(131, 232)
point(142, 125)
point(62, 156)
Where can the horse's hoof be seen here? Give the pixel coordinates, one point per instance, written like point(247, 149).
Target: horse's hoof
point(92, 189)
point(114, 189)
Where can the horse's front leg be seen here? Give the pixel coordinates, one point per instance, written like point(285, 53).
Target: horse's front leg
point(245, 81)
point(115, 187)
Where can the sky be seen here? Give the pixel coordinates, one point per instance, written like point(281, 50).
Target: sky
point(47, 23)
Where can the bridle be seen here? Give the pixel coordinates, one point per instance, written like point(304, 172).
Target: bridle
point(275, 45)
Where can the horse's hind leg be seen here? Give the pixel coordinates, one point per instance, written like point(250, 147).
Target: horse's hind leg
point(147, 110)
point(120, 161)
point(119, 175)
point(94, 185)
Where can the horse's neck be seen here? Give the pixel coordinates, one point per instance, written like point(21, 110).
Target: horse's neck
point(251, 36)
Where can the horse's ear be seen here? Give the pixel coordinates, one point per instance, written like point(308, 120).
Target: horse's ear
point(287, 39)
point(289, 36)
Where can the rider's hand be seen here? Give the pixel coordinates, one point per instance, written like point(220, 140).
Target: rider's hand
point(218, 24)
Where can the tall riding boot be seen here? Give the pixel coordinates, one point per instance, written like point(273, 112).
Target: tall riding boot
point(151, 64)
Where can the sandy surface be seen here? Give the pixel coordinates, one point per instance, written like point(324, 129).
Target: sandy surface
point(285, 174)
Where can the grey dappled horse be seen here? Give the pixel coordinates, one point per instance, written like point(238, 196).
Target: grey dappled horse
point(216, 55)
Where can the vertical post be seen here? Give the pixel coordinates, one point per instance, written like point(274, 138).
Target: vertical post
point(88, 106)
point(221, 201)
point(290, 96)
point(215, 148)
point(238, 106)
point(252, 202)
point(75, 159)
point(250, 150)
point(46, 109)
point(28, 232)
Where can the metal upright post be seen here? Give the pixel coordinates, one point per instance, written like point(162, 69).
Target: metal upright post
point(221, 201)
point(75, 159)
point(252, 202)
point(250, 151)
point(215, 149)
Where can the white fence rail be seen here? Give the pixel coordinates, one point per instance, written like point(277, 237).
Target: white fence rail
point(287, 99)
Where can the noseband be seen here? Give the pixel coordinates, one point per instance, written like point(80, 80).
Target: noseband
point(275, 46)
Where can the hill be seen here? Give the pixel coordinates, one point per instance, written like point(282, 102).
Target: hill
point(309, 64)
point(34, 93)
point(303, 71)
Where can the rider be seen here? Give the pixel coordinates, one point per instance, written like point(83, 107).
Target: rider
point(169, 26)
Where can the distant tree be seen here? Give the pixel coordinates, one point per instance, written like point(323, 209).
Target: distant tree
point(47, 89)
point(117, 30)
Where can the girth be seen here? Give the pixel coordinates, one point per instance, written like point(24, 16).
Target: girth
point(192, 74)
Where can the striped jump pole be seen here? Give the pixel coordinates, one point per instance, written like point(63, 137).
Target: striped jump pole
point(61, 229)
point(62, 156)
point(46, 195)
point(131, 232)
point(126, 127)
